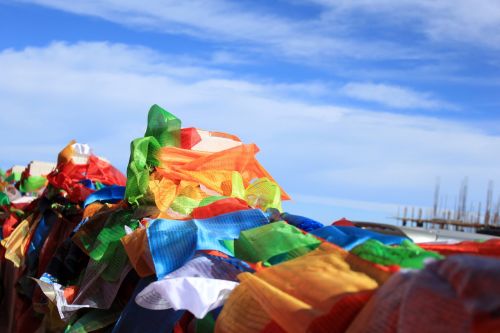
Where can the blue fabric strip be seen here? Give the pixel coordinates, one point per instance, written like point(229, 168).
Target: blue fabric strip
point(111, 193)
point(42, 231)
point(173, 242)
point(350, 237)
point(88, 183)
point(301, 222)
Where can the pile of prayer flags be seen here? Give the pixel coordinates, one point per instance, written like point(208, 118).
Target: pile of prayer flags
point(194, 239)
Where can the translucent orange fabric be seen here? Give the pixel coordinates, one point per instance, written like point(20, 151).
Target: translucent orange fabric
point(213, 170)
point(136, 246)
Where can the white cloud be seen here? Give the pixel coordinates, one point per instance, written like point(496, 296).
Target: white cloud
point(393, 96)
point(99, 93)
point(245, 27)
point(474, 22)
point(333, 31)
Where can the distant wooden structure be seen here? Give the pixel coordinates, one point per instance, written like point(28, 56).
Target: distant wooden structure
point(461, 218)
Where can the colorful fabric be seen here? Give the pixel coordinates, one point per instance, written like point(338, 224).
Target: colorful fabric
point(172, 242)
point(407, 255)
point(350, 237)
point(458, 294)
point(301, 222)
point(274, 243)
point(489, 248)
point(292, 294)
point(199, 286)
point(183, 245)
point(136, 319)
point(110, 194)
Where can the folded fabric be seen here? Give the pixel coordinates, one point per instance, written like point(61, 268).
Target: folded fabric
point(209, 141)
point(273, 242)
point(136, 319)
point(94, 291)
point(457, 294)
point(111, 194)
point(69, 177)
point(407, 255)
point(215, 170)
point(292, 294)
point(4, 199)
point(491, 247)
point(137, 249)
point(93, 320)
point(349, 237)
point(32, 183)
point(219, 207)
point(195, 294)
point(172, 242)
point(199, 286)
point(302, 222)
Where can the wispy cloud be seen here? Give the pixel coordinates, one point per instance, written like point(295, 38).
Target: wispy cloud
point(245, 27)
point(472, 22)
point(393, 96)
point(335, 30)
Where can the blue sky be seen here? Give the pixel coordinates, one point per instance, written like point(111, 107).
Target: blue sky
point(357, 106)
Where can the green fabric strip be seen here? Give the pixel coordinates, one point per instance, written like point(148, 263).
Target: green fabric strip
point(163, 130)
point(4, 199)
point(93, 321)
point(237, 186)
point(408, 255)
point(277, 239)
point(13, 177)
point(184, 205)
point(206, 324)
point(164, 126)
point(229, 244)
point(264, 193)
point(32, 184)
point(108, 248)
point(208, 200)
point(142, 158)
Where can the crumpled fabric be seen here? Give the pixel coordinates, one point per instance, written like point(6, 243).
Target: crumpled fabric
point(292, 294)
point(199, 286)
point(32, 183)
point(163, 130)
point(137, 248)
point(4, 199)
point(301, 222)
point(219, 207)
point(490, 248)
point(407, 255)
point(273, 243)
point(457, 294)
point(69, 177)
point(94, 292)
point(112, 194)
point(136, 319)
point(214, 170)
point(172, 243)
point(16, 244)
point(350, 237)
